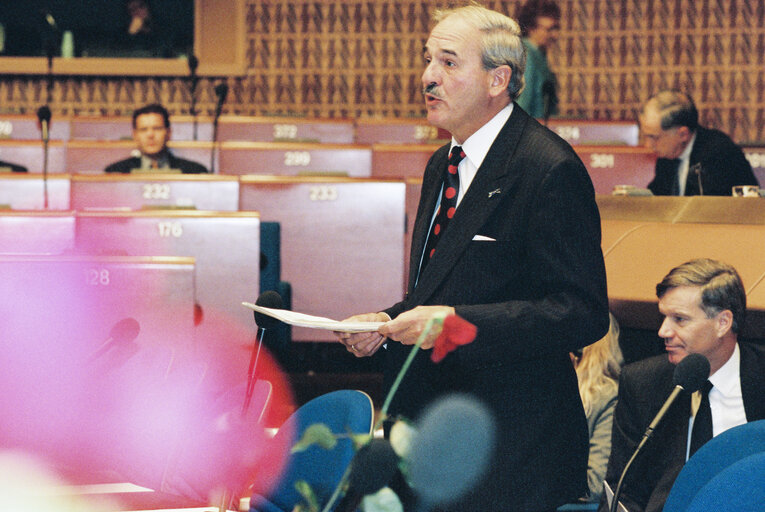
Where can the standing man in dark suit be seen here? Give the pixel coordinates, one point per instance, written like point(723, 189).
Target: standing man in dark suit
point(692, 160)
point(704, 303)
point(520, 259)
point(151, 131)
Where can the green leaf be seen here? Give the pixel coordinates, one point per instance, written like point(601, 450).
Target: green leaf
point(359, 440)
point(311, 501)
point(318, 434)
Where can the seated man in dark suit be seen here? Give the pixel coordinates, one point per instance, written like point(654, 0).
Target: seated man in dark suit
point(692, 160)
point(9, 167)
point(703, 302)
point(151, 131)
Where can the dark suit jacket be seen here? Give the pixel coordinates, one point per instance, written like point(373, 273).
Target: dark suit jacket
point(643, 388)
point(536, 293)
point(722, 165)
point(186, 166)
point(13, 167)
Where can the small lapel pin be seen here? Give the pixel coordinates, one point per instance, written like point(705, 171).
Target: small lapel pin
point(497, 191)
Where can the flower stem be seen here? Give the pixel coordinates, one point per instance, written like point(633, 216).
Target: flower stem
point(407, 364)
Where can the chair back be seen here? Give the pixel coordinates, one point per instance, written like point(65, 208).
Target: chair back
point(344, 412)
point(738, 488)
point(718, 454)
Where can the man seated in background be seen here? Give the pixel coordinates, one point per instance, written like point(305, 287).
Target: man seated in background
point(151, 131)
point(692, 160)
point(703, 303)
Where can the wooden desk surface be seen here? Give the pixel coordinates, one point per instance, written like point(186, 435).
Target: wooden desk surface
point(137, 191)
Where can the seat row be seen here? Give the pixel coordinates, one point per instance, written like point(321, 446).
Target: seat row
point(608, 166)
point(296, 129)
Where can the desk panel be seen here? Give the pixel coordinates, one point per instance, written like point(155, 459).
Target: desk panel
point(84, 157)
point(137, 191)
point(27, 192)
point(116, 128)
point(683, 209)
point(613, 231)
point(24, 127)
point(600, 133)
point(36, 232)
point(613, 165)
point(294, 159)
point(225, 246)
point(401, 160)
point(342, 242)
point(640, 260)
point(756, 157)
point(399, 131)
point(30, 154)
point(285, 129)
point(643, 208)
point(103, 290)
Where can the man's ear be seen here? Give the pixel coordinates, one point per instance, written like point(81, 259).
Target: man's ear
point(500, 80)
point(685, 133)
point(724, 322)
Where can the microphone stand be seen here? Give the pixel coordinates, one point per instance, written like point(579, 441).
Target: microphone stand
point(194, 79)
point(44, 115)
point(251, 374)
point(221, 90)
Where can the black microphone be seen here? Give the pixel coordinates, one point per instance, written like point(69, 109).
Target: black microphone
point(451, 450)
point(268, 299)
point(372, 468)
point(690, 374)
point(122, 333)
point(221, 91)
point(43, 117)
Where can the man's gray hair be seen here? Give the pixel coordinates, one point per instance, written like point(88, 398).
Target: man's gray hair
point(500, 42)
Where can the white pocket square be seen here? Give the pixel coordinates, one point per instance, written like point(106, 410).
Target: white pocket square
point(481, 238)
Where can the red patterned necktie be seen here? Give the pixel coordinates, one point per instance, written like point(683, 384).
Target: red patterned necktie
point(448, 204)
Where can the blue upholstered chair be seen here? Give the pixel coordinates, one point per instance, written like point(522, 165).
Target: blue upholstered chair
point(343, 412)
point(716, 456)
point(738, 488)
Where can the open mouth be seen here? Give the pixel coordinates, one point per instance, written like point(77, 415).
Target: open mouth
point(431, 99)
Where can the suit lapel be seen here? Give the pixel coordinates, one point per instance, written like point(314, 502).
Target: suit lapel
point(431, 187)
point(475, 208)
point(752, 385)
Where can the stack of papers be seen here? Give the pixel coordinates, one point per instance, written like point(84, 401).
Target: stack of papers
point(313, 322)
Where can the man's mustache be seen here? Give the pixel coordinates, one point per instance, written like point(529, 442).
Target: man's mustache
point(432, 90)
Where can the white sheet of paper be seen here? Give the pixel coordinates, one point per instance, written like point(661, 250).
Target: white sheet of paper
point(313, 322)
point(610, 498)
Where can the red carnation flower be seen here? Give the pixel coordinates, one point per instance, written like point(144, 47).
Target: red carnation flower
point(456, 332)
